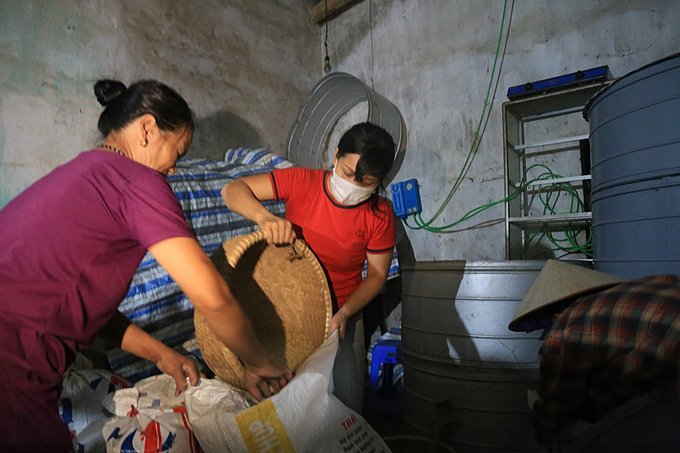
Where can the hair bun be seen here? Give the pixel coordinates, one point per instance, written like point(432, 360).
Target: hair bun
point(108, 90)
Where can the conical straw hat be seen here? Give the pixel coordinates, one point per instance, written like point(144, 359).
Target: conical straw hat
point(284, 292)
point(557, 285)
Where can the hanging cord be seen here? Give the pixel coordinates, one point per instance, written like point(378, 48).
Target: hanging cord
point(327, 61)
point(370, 27)
point(477, 139)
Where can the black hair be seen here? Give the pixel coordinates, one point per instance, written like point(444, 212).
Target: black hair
point(375, 147)
point(125, 104)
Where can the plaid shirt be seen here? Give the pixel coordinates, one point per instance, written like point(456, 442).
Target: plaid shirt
point(607, 348)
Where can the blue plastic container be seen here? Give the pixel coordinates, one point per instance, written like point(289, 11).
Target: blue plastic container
point(635, 155)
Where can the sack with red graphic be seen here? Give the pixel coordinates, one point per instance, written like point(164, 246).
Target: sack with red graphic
point(149, 418)
point(81, 403)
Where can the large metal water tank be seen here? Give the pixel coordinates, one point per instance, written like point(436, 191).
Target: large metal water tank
point(635, 149)
point(459, 355)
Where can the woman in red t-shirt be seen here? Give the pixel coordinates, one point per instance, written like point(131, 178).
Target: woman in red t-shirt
point(342, 218)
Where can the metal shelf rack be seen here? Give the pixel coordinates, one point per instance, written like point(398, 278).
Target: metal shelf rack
point(562, 140)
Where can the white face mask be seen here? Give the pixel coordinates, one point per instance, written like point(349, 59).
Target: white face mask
point(347, 193)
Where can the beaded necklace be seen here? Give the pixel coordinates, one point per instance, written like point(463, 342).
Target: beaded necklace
point(112, 148)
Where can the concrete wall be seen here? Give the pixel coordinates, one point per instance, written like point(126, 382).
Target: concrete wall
point(244, 67)
point(433, 59)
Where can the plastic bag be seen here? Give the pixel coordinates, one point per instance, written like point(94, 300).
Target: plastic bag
point(149, 418)
point(303, 417)
point(81, 403)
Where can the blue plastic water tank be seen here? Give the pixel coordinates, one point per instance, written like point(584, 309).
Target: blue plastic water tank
point(635, 155)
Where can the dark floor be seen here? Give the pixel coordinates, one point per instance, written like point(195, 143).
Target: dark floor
point(399, 435)
point(386, 423)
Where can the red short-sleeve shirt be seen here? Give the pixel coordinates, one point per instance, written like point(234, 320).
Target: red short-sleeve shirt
point(341, 236)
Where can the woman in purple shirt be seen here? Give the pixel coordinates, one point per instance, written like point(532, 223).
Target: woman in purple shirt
point(70, 245)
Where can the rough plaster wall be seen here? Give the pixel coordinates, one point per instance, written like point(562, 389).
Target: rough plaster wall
point(244, 67)
point(433, 59)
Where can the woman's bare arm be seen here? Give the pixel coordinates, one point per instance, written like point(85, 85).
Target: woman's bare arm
point(376, 275)
point(187, 263)
point(245, 195)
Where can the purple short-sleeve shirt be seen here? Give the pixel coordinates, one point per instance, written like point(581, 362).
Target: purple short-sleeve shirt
point(71, 242)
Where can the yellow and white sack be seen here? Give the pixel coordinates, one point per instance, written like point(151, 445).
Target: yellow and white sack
point(303, 417)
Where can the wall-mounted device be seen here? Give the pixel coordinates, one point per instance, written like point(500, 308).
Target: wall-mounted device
point(406, 198)
point(577, 78)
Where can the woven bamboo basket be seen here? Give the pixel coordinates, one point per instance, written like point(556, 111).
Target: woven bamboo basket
point(284, 292)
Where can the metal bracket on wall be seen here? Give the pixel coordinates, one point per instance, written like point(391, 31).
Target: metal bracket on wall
point(331, 98)
point(326, 10)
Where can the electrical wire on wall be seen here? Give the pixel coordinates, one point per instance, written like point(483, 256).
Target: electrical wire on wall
point(548, 197)
point(486, 113)
point(569, 244)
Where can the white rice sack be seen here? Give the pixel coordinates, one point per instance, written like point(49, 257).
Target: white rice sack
point(148, 417)
point(81, 403)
